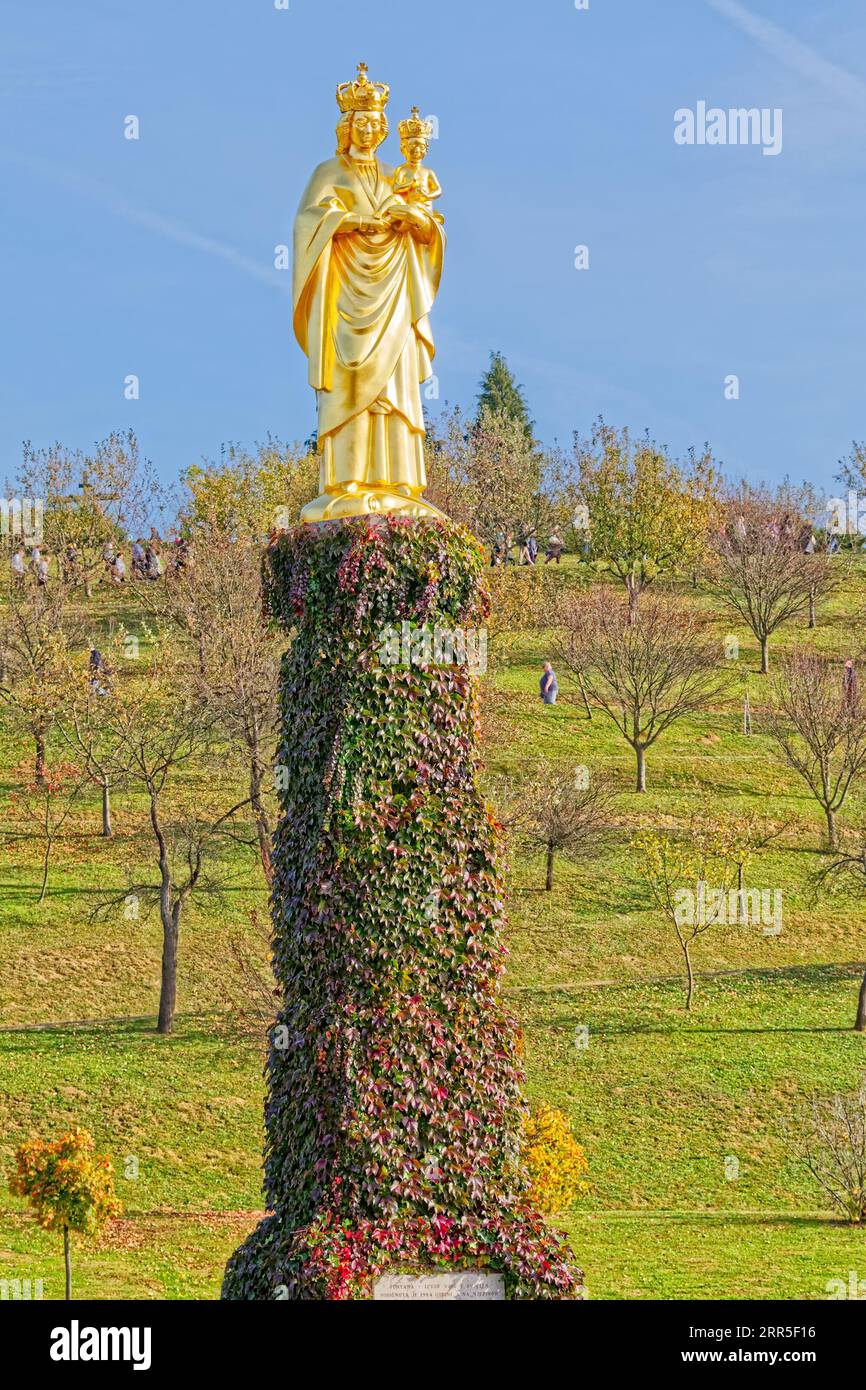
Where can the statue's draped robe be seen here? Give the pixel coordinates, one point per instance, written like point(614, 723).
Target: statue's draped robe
point(360, 314)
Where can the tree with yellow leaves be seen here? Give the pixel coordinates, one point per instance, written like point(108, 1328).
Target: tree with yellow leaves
point(36, 634)
point(249, 495)
point(649, 515)
point(69, 1186)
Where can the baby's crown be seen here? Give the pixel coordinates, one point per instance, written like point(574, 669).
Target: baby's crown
point(415, 127)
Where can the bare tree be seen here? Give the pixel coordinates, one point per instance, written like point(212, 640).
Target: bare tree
point(251, 993)
point(820, 728)
point(849, 865)
point(832, 1146)
point(155, 726)
point(852, 470)
point(186, 838)
point(645, 670)
point(86, 724)
point(670, 865)
point(740, 840)
point(559, 812)
point(216, 603)
point(761, 573)
point(47, 801)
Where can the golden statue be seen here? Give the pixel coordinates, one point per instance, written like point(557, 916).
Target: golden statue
point(367, 263)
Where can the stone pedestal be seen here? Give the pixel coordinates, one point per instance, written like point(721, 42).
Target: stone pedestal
point(393, 1116)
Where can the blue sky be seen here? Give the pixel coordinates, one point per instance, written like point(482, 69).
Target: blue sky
point(155, 256)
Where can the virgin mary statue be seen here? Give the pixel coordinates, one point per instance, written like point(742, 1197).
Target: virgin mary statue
point(367, 264)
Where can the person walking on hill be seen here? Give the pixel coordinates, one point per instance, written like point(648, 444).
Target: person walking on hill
point(99, 673)
point(548, 685)
point(108, 556)
point(17, 567)
point(152, 563)
point(69, 563)
point(554, 550)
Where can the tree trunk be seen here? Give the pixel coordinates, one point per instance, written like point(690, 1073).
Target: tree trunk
point(811, 607)
point(549, 883)
point(690, 979)
point(169, 913)
point(39, 738)
point(631, 588)
point(860, 1021)
point(765, 655)
point(107, 831)
point(45, 858)
point(263, 828)
point(641, 768)
point(831, 827)
point(168, 981)
point(67, 1262)
point(587, 706)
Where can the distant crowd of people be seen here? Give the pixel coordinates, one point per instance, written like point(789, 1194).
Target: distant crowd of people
point(526, 544)
point(146, 561)
point(794, 534)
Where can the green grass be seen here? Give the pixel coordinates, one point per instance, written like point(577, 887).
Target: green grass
point(663, 1101)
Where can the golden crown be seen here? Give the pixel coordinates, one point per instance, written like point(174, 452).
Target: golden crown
point(415, 127)
point(362, 94)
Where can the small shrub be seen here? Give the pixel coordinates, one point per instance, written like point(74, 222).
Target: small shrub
point(69, 1186)
point(556, 1162)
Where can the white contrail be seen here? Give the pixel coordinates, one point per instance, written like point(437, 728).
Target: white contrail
point(175, 231)
point(794, 53)
point(162, 226)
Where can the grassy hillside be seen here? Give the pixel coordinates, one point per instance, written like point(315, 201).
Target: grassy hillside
point(668, 1105)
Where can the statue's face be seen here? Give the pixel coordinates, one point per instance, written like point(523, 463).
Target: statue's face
point(415, 149)
point(366, 130)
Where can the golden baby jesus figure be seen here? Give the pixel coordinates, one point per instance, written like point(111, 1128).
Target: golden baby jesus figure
point(367, 264)
point(412, 181)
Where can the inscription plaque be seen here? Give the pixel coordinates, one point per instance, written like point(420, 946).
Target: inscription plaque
point(432, 1288)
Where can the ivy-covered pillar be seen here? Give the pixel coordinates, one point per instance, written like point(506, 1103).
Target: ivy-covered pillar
point(394, 1115)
